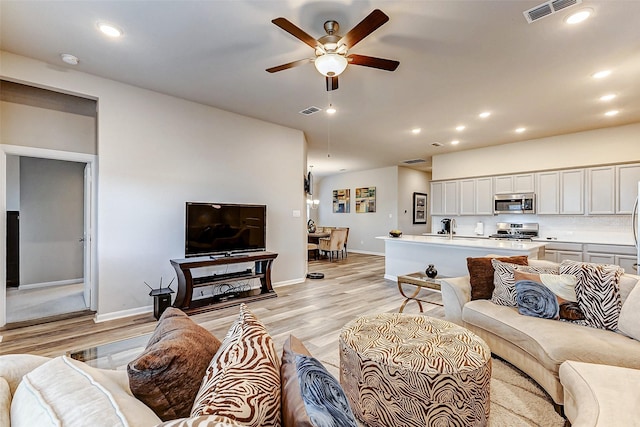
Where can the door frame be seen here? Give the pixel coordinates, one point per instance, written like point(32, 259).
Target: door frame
point(90, 203)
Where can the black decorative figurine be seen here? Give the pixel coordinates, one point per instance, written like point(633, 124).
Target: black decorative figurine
point(431, 271)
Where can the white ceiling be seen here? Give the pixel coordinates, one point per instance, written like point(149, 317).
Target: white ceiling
point(457, 59)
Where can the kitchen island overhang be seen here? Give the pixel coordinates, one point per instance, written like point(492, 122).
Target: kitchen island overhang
point(408, 254)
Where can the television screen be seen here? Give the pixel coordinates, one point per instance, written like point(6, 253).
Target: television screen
point(218, 228)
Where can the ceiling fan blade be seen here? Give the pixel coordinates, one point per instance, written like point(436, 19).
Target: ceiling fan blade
point(367, 26)
point(332, 83)
point(370, 61)
point(287, 66)
point(296, 32)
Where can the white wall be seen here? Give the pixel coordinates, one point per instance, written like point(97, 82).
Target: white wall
point(602, 146)
point(155, 153)
point(51, 220)
point(363, 227)
point(410, 181)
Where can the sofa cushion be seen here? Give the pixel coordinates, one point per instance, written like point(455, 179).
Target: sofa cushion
point(67, 392)
point(597, 291)
point(168, 374)
point(629, 322)
point(504, 292)
point(552, 342)
point(311, 396)
point(481, 274)
point(242, 381)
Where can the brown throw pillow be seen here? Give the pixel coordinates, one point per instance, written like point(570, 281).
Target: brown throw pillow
point(167, 375)
point(481, 274)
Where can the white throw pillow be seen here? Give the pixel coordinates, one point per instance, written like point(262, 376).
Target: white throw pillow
point(70, 393)
point(629, 321)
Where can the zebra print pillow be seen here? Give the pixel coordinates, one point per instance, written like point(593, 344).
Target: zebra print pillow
point(597, 291)
point(504, 291)
point(242, 381)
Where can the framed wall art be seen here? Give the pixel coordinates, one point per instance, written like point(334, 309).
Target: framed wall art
point(365, 199)
point(342, 201)
point(419, 208)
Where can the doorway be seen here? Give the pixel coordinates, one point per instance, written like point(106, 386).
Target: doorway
point(64, 282)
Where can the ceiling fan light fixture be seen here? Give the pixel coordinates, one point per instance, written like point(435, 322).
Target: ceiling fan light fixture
point(331, 64)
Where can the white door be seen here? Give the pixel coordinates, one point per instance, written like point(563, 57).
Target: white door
point(86, 238)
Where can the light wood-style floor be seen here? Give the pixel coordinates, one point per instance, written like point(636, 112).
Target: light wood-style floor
point(314, 311)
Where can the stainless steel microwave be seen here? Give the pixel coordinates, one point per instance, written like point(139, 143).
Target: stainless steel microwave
point(514, 203)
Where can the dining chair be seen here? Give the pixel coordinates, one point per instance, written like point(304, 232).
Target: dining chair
point(333, 243)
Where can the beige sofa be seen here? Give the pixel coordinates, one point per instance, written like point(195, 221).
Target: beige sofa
point(539, 346)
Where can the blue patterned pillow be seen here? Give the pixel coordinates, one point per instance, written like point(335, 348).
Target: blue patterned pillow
point(311, 396)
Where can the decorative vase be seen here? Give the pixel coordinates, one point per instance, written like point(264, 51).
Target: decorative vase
point(431, 271)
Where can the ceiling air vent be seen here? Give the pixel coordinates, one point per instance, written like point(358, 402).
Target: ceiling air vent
point(436, 144)
point(309, 111)
point(413, 161)
point(548, 8)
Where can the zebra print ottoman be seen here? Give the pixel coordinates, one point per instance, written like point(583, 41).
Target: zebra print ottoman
point(412, 370)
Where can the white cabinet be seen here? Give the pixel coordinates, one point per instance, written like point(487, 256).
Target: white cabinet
point(622, 255)
point(601, 190)
point(523, 183)
point(572, 192)
point(560, 192)
point(484, 196)
point(444, 198)
point(476, 196)
point(468, 197)
point(437, 198)
point(627, 177)
point(451, 197)
point(548, 195)
point(558, 252)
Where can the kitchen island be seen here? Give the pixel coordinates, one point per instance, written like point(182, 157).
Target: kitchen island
point(408, 254)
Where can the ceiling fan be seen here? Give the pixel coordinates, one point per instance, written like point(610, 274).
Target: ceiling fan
point(332, 50)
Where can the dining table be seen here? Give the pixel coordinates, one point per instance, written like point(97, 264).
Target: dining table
point(315, 237)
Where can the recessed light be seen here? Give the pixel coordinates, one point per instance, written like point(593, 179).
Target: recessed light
point(460, 128)
point(455, 142)
point(601, 74)
point(69, 59)
point(331, 109)
point(611, 113)
point(520, 130)
point(416, 131)
point(109, 29)
point(579, 16)
point(607, 97)
point(484, 114)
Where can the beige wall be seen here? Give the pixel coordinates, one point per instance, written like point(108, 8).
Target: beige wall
point(410, 181)
point(155, 152)
point(603, 146)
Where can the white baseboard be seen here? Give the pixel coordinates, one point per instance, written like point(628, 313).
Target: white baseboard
point(50, 284)
point(390, 277)
point(124, 313)
point(356, 251)
point(288, 282)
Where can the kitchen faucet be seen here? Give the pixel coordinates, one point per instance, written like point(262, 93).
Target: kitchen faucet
point(452, 226)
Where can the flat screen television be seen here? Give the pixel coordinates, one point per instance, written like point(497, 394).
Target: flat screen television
point(222, 228)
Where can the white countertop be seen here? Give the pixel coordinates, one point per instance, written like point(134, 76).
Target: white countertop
point(624, 239)
point(469, 242)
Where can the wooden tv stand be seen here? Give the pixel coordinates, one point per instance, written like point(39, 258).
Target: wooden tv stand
point(186, 283)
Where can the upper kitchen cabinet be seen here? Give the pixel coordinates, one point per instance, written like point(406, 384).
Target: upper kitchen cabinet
point(523, 183)
point(613, 189)
point(601, 187)
point(560, 192)
point(444, 198)
point(627, 177)
point(476, 196)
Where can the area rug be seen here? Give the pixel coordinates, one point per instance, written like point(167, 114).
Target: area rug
point(516, 400)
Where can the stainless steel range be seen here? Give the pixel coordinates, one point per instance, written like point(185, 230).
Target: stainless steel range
point(516, 231)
